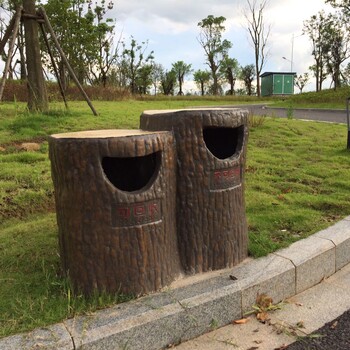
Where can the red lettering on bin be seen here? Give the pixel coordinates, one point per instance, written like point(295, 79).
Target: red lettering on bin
point(225, 178)
point(152, 209)
point(136, 213)
point(123, 212)
point(139, 210)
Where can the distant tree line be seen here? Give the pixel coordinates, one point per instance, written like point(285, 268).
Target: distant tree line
point(87, 36)
point(330, 38)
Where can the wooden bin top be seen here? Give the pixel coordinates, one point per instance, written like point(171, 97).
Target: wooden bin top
point(203, 109)
point(100, 134)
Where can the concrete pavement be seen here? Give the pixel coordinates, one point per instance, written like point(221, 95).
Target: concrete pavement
point(201, 304)
point(298, 316)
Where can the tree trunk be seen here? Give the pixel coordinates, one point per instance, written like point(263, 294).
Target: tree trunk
point(258, 90)
point(37, 94)
point(215, 85)
point(63, 76)
point(211, 148)
point(115, 204)
point(180, 88)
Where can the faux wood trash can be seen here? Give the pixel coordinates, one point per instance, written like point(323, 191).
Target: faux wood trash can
point(115, 203)
point(211, 151)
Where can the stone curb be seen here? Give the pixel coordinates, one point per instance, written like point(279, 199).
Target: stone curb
point(310, 109)
point(184, 312)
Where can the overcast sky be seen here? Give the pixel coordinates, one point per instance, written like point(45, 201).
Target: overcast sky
point(171, 28)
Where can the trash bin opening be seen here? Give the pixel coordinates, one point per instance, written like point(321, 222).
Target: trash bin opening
point(223, 142)
point(132, 173)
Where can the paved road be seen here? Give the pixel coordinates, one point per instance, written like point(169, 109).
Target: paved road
point(333, 335)
point(317, 114)
point(327, 115)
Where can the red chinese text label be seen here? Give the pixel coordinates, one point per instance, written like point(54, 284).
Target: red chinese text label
point(136, 213)
point(225, 178)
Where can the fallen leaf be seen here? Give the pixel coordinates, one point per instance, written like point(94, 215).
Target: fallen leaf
point(300, 324)
point(263, 301)
point(241, 321)
point(334, 325)
point(262, 317)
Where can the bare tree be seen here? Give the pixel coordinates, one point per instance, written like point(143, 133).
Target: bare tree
point(156, 75)
point(259, 34)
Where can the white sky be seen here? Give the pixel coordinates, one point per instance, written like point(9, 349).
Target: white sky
point(171, 28)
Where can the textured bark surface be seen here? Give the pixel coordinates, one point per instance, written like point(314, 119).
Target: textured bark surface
point(113, 239)
point(37, 94)
point(211, 221)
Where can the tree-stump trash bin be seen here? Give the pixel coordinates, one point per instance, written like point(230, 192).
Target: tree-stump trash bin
point(115, 205)
point(211, 152)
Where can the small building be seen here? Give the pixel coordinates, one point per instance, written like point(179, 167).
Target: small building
point(277, 83)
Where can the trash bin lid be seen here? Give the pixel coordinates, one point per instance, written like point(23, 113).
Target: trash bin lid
point(108, 133)
point(200, 109)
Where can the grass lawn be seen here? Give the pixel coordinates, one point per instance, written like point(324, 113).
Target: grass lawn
point(297, 182)
point(327, 98)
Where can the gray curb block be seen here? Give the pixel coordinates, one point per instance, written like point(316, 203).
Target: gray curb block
point(178, 314)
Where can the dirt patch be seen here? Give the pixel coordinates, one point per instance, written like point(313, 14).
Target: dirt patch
point(30, 146)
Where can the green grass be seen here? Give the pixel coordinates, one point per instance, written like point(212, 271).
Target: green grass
point(16, 124)
point(327, 98)
point(296, 184)
point(32, 293)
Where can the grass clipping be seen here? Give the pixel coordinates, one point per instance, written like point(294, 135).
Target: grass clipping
point(264, 305)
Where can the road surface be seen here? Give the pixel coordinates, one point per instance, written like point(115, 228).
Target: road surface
point(326, 115)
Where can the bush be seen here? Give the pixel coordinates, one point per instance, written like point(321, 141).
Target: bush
point(16, 90)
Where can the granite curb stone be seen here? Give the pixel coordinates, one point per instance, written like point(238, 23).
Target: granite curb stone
point(182, 313)
point(339, 234)
point(50, 338)
point(272, 275)
point(314, 260)
point(157, 328)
